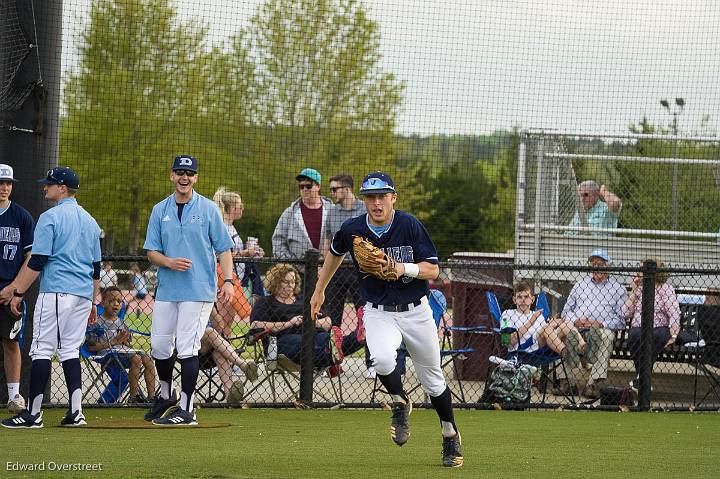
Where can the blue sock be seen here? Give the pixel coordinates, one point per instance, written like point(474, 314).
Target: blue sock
point(71, 368)
point(39, 376)
point(164, 368)
point(189, 370)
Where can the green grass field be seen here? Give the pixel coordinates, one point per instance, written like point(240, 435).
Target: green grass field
point(347, 444)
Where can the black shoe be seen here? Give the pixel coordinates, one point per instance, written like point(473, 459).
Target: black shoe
point(452, 455)
point(178, 417)
point(24, 420)
point(400, 424)
point(73, 419)
point(137, 400)
point(160, 407)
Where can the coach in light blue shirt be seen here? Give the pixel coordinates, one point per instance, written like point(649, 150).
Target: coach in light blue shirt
point(70, 238)
point(185, 233)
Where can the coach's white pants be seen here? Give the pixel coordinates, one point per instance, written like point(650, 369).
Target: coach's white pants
point(59, 325)
point(178, 325)
point(384, 331)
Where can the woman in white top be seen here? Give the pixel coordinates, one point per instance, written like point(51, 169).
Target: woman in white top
point(532, 330)
point(231, 207)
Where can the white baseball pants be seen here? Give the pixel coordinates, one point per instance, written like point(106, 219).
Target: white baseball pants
point(178, 325)
point(59, 324)
point(384, 331)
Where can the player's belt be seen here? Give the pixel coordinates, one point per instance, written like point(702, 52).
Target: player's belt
point(396, 308)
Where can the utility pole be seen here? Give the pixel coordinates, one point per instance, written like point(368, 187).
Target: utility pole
point(674, 111)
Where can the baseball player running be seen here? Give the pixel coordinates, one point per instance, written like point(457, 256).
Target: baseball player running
point(184, 233)
point(16, 238)
point(66, 251)
point(397, 309)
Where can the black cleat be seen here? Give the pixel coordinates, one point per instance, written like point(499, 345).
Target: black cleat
point(161, 407)
point(178, 417)
point(400, 424)
point(24, 420)
point(452, 454)
point(73, 419)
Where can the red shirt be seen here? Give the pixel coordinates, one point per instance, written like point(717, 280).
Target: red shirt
point(313, 223)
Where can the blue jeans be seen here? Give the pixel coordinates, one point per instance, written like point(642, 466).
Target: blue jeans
point(290, 344)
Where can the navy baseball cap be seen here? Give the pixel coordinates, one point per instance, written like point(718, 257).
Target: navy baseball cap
point(600, 253)
point(62, 175)
point(310, 174)
point(185, 162)
point(377, 183)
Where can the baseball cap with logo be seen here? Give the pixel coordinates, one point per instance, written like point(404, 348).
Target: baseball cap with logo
point(62, 175)
point(6, 173)
point(185, 162)
point(600, 253)
point(310, 174)
point(377, 183)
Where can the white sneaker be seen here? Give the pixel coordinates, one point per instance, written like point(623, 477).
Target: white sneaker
point(16, 404)
point(370, 374)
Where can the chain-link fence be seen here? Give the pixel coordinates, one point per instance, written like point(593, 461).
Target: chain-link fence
point(598, 342)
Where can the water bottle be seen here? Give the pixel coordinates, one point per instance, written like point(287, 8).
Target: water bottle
point(272, 352)
point(504, 333)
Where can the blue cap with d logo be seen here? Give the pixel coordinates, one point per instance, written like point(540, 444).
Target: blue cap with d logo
point(185, 162)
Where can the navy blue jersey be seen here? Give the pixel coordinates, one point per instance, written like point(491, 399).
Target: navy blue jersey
point(407, 241)
point(16, 239)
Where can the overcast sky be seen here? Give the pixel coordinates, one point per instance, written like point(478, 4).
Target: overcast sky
point(474, 66)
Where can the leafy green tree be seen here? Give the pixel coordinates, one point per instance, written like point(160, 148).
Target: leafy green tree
point(144, 81)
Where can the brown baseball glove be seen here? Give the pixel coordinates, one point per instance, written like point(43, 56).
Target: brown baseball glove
point(372, 260)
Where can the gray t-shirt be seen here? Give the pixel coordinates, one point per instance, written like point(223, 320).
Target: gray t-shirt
point(337, 215)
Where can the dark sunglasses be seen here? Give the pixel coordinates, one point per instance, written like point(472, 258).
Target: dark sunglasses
point(306, 186)
point(333, 189)
point(184, 173)
point(584, 195)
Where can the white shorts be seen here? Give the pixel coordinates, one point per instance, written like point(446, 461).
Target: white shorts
point(178, 325)
point(59, 325)
point(385, 331)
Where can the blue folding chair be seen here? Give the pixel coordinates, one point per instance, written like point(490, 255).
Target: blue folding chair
point(545, 359)
point(108, 363)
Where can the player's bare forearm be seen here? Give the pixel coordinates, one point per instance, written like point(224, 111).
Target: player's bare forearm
point(226, 264)
point(177, 264)
point(330, 266)
point(24, 279)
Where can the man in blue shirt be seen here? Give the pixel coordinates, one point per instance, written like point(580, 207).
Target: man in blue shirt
point(16, 238)
point(397, 311)
point(66, 250)
point(185, 233)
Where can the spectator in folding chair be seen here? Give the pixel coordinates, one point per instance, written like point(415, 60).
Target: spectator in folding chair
point(595, 307)
point(213, 344)
point(533, 331)
point(282, 315)
point(666, 321)
point(110, 337)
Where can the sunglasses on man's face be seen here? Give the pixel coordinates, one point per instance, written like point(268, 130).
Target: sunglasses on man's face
point(305, 186)
point(184, 173)
point(333, 189)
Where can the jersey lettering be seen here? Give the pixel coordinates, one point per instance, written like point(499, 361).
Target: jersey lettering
point(10, 234)
point(9, 252)
point(401, 254)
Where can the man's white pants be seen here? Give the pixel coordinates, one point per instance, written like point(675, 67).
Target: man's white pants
point(59, 325)
point(178, 325)
point(384, 331)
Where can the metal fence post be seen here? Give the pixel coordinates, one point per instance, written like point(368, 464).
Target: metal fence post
point(649, 270)
point(312, 258)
